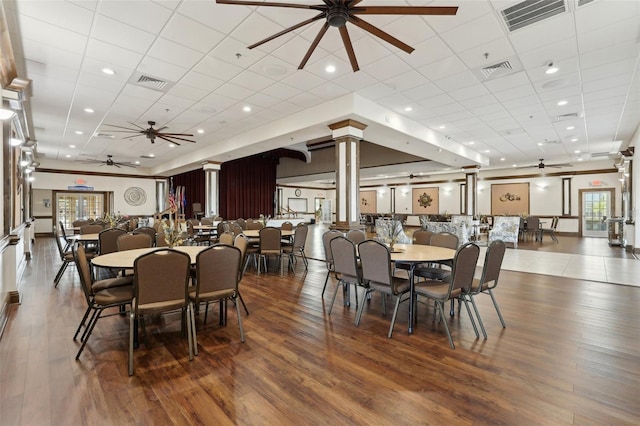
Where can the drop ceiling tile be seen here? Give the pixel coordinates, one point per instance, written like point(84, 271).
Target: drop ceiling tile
point(141, 14)
point(201, 81)
point(262, 100)
point(410, 29)
point(599, 14)
point(273, 68)
point(514, 93)
point(286, 108)
point(543, 33)
point(160, 69)
point(187, 92)
point(234, 91)
point(281, 91)
point(303, 80)
point(477, 32)
point(457, 81)
point(567, 66)
point(423, 91)
point(467, 11)
point(113, 56)
point(65, 15)
point(141, 92)
point(47, 34)
point(329, 91)
point(117, 33)
point(93, 79)
point(443, 68)
point(606, 83)
point(611, 35)
point(257, 28)
point(407, 81)
point(516, 79)
point(342, 68)
point(479, 101)
point(369, 50)
point(559, 94)
point(50, 55)
point(428, 52)
point(294, 51)
point(612, 69)
point(305, 100)
point(221, 17)
point(174, 53)
point(190, 33)
point(555, 51)
point(469, 92)
point(217, 68)
point(252, 80)
point(437, 101)
point(604, 94)
point(498, 50)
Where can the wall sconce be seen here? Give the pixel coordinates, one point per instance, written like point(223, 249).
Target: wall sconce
point(542, 186)
point(405, 191)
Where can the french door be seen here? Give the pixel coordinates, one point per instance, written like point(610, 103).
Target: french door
point(595, 206)
point(72, 206)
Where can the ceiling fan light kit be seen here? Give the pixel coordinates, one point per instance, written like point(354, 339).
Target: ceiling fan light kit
point(337, 13)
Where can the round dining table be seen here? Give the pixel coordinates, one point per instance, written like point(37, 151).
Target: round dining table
point(413, 255)
point(126, 258)
point(255, 233)
point(84, 237)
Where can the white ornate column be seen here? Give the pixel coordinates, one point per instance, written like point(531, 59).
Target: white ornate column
point(471, 188)
point(347, 134)
point(211, 198)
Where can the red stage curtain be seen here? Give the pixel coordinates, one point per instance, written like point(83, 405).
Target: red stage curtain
point(194, 185)
point(247, 187)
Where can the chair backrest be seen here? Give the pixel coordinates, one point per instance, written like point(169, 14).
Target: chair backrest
point(254, 225)
point(190, 231)
point(444, 239)
point(91, 229)
point(82, 265)
point(242, 243)
point(194, 222)
point(221, 227)
point(326, 239)
point(133, 224)
point(422, 237)
point(270, 239)
point(226, 238)
point(533, 223)
point(206, 221)
point(161, 280)
point(356, 236)
point(492, 265)
point(376, 262)
point(345, 261)
point(464, 267)
point(197, 208)
point(242, 223)
point(108, 240)
point(62, 230)
point(300, 237)
point(287, 226)
point(236, 228)
point(161, 241)
point(58, 242)
point(217, 268)
point(134, 241)
point(151, 232)
point(78, 223)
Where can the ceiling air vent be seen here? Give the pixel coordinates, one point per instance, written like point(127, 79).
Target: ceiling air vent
point(499, 67)
point(146, 156)
point(104, 136)
point(563, 117)
point(583, 2)
point(150, 82)
point(531, 11)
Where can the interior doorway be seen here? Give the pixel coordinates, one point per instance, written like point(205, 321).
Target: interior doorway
point(595, 206)
point(70, 206)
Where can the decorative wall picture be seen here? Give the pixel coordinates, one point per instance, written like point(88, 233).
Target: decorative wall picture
point(510, 199)
point(425, 201)
point(368, 202)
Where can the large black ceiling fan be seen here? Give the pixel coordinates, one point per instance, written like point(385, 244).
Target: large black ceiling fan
point(542, 165)
point(151, 133)
point(337, 13)
point(109, 162)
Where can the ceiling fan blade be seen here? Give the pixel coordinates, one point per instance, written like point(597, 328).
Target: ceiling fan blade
point(167, 137)
point(379, 33)
point(134, 124)
point(174, 134)
point(116, 165)
point(161, 128)
point(121, 127)
point(404, 10)
point(354, 2)
point(169, 140)
point(133, 136)
point(313, 46)
point(349, 47)
point(285, 31)
point(259, 3)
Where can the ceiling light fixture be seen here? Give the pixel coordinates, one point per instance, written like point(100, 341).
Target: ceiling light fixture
point(574, 139)
point(246, 109)
point(200, 131)
point(151, 155)
point(72, 146)
point(136, 162)
point(108, 71)
point(78, 132)
point(550, 68)
point(172, 145)
point(471, 143)
point(563, 103)
point(502, 159)
point(441, 127)
point(577, 151)
point(408, 109)
point(89, 110)
point(330, 68)
point(571, 127)
point(68, 155)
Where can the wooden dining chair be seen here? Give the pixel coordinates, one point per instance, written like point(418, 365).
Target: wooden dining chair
point(296, 248)
point(356, 236)
point(345, 266)
point(151, 232)
point(270, 245)
point(328, 256)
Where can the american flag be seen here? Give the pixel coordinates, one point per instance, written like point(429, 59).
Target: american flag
point(173, 207)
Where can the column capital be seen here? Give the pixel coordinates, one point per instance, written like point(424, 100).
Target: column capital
point(471, 169)
point(347, 127)
point(211, 166)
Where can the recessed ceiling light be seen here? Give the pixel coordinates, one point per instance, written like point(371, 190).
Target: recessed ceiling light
point(540, 144)
point(502, 159)
point(514, 165)
point(441, 127)
point(408, 109)
point(577, 151)
point(151, 155)
point(171, 145)
point(330, 68)
point(108, 71)
point(78, 132)
point(200, 131)
point(571, 127)
point(563, 103)
point(246, 109)
point(72, 146)
point(574, 139)
point(89, 110)
point(471, 142)
point(551, 70)
point(487, 151)
point(136, 162)
point(68, 155)
point(579, 159)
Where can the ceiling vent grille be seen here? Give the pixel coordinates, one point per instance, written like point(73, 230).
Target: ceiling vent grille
point(583, 2)
point(499, 67)
point(563, 117)
point(531, 11)
point(150, 82)
point(104, 136)
point(147, 156)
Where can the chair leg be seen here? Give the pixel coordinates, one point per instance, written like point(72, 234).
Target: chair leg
point(335, 293)
point(495, 304)
point(304, 259)
point(88, 333)
point(132, 318)
point(361, 305)
point(395, 313)
point(243, 304)
point(326, 280)
point(239, 319)
point(189, 313)
point(440, 306)
point(475, 308)
point(63, 268)
point(193, 329)
point(88, 326)
point(473, 322)
point(84, 318)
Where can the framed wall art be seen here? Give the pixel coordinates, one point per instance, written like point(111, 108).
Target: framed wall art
point(368, 202)
point(425, 201)
point(510, 199)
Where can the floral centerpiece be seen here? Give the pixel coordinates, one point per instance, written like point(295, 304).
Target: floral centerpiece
point(390, 231)
point(173, 234)
point(113, 220)
point(264, 219)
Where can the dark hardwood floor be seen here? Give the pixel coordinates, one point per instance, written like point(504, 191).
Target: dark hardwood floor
point(569, 355)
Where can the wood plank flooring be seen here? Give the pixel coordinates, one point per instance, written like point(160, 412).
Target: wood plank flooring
point(569, 355)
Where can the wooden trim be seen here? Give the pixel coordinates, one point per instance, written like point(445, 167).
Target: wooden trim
point(76, 172)
point(347, 123)
point(535, 175)
point(43, 217)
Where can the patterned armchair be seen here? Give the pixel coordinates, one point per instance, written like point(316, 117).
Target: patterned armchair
point(461, 230)
point(505, 228)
